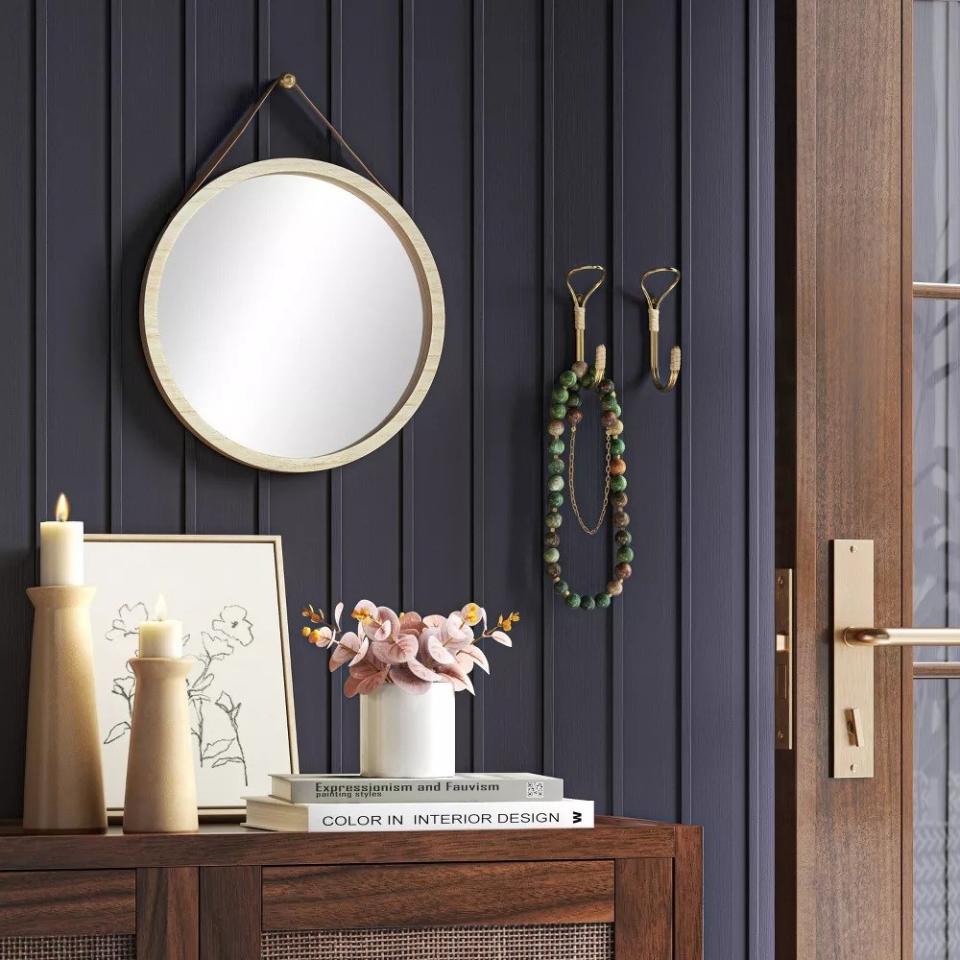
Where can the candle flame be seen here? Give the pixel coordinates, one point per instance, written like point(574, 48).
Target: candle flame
point(62, 509)
point(160, 608)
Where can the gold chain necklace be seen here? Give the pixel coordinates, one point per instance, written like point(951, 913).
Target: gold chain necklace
point(571, 471)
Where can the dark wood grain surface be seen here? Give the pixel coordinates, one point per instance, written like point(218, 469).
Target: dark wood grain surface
point(47, 903)
point(407, 895)
point(211, 894)
point(859, 451)
point(845, 886)
point(168, 910)
point(688, 894)
point(644, 929)
point(213, 846)
point(230, 913)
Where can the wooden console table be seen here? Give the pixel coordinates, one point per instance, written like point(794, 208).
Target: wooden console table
point(626, 890)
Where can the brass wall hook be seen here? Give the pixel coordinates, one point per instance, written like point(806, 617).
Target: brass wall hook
point(580, 311)
point(653, 312)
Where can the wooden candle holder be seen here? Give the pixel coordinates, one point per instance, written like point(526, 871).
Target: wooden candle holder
point(63, 778)
point(161, 790)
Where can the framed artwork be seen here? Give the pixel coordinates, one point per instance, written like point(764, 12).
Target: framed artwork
point(229, 593)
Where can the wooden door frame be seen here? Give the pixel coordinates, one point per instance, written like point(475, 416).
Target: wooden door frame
point(844, 455)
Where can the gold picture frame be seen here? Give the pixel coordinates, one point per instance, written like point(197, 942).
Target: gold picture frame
point(208, 812)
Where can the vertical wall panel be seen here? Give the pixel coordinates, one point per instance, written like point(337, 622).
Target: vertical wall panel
point(152, 184)
point(16, 387)
point(716, 462)
point(78, 257)
point(525, 137)
point(651, 238)
point(548, 269)
point(478, 502)
point(440, 199)
point(511, 439)
point(582, 236)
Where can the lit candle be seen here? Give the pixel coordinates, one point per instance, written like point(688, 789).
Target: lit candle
point(161, 637)
point(61, 548)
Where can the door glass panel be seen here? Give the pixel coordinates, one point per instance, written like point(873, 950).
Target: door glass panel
point(936, 494)
point(936, 807)
point(936, 334)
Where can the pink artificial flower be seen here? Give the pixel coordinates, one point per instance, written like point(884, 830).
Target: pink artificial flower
point(365, 677)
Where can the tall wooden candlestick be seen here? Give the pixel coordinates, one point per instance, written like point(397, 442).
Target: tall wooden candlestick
point(63, 780)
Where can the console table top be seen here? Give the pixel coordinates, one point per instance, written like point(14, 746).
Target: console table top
point(233, 844)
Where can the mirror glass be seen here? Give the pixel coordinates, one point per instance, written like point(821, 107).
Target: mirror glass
point(292, 317)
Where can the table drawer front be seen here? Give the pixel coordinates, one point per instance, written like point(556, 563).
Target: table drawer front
point(438, 895)
point(47, 903)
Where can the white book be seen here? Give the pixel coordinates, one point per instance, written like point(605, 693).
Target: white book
point(269, 813)
point(460, 788)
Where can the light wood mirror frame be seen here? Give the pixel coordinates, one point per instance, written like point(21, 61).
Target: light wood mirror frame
point(428, 279)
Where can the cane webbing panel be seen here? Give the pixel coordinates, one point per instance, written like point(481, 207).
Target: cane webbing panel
point(114, 946)
point(572, 941)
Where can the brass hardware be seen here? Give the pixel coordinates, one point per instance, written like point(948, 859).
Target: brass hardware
point(288, 81)
point(853, 653)
point(854, 727)
point(853, 719)
point(936, 291)
point(580, 310)
point(900, 637)
point(783, 683)
point(936, 670)
point(600, 362)
point(653, 314)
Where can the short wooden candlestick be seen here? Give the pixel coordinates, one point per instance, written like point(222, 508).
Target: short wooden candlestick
point(63, 778)
point(161, 792)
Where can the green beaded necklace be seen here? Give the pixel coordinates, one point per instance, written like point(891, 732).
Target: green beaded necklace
point(565, 404)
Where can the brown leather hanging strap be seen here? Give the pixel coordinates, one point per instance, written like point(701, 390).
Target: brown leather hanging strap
point(289, 82)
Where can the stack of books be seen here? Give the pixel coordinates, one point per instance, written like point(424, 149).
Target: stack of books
point(316, 803)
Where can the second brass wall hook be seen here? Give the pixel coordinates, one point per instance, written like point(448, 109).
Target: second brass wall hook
point(653, 313)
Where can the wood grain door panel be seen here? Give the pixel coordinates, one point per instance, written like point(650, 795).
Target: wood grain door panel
point(844, 407)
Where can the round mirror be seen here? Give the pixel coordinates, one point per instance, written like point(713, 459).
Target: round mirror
point(292, 315)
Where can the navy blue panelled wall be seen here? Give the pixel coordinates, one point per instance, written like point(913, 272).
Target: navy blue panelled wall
point(525, 136)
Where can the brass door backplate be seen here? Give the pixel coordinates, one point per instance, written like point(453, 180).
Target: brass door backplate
point(783, 680)
point(853, 728)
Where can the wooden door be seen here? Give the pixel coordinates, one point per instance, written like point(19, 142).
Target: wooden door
point(844, 410)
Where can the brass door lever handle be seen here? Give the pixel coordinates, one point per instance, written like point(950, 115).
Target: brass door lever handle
point(852, 706)
point(900, 637)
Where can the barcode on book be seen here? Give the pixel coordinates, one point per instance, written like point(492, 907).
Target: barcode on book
point(535, 790)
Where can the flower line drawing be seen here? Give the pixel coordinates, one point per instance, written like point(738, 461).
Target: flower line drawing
point(127, 622)
point(229, 630)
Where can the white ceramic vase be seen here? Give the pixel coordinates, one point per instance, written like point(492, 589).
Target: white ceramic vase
point(406, 734)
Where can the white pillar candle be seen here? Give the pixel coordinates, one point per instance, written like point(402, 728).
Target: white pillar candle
point(61, 549)
point(161, 637)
